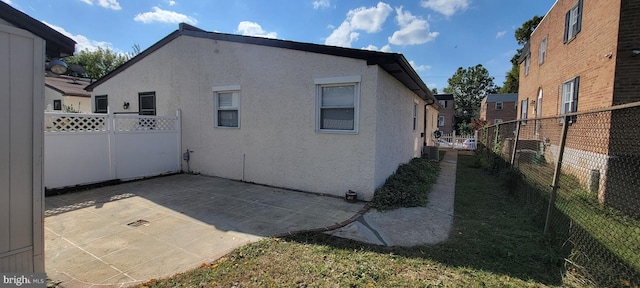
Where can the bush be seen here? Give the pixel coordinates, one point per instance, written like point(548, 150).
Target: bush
point(408, 187)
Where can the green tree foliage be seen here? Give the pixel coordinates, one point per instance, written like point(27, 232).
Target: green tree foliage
point(97, 63)
point(469, 86)
point(522, 35)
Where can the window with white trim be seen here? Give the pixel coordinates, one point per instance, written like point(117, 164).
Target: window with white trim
point(573, 22)
point(443, 103)
point(569, 101)
point(524, 106)
point(440, 121)
point(415, 116)
point(498, 105)
point(543, 50)
point(227, 107)
point(527, 63)
point(497, 121)
point(337, 101)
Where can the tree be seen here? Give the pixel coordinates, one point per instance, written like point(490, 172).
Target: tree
point(434, 90)
point(469, 86)
point(96, 63)
point(522, 35)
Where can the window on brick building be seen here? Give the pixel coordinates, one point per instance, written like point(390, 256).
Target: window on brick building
point(443, 103)
point(569, 101)
point(523, 110)
point(543, 50)
point(527, 63)
point(573, 22)
point(498, 105)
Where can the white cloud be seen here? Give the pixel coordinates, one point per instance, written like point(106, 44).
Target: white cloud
point(413, 30)
point(83, 43)
point(419, 67)
point(369, 20)
point(249, 28)
point(7, 1)
point(164, 16)
point(500, 34)
point(385, 48)
point(321, 4)
point(171, 2)
point(109, 4)
point(446, 7)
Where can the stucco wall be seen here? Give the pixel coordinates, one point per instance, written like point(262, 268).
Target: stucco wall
point(81, 104)
point(395, 126)
point(277, 143)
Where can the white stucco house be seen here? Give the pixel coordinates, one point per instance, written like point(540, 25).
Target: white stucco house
point(296, 115)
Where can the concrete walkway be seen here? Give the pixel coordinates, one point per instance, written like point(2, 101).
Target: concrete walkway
point(120, 235)
point(411, 226)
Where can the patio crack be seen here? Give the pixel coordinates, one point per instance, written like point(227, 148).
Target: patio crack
point(374, 231)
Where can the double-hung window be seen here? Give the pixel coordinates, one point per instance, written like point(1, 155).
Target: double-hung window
point(440, 121)
point(527, 63)
point(543, 50)
point(443, 103)
point(498, 105)
point(415, 116)
point(227, 108)
point(569, 102)
point(147, 103)
point(337, 101)
point(573, 22)
point(101, 103)
point(524, 106)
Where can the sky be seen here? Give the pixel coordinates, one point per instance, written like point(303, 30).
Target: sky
point(435, 36)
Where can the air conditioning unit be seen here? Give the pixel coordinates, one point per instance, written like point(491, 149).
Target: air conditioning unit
point(430, 152)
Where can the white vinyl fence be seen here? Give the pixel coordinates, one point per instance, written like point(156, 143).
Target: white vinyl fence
point(459, 141)
point(90, 148)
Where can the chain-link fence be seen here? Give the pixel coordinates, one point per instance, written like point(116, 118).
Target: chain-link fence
point(583, 169)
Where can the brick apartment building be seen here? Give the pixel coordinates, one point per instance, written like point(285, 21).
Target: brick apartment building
point(446, 115)
point(497, 108)
point(582, 56)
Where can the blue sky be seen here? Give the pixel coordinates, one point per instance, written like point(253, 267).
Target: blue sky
point(436, 36)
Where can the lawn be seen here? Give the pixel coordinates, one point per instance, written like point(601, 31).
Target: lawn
point(495, 242)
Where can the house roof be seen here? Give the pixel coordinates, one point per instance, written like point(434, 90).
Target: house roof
point(394, 63)
point(492, 98)
point(67, 85)
point(444, 96)
point(58, 45)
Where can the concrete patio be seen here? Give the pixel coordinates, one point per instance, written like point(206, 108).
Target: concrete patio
point(124, 234)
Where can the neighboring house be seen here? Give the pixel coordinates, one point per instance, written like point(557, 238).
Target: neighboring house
point(297, 115)
point(582, 56)
point(498, 108)
point(446, 116)
point(26, 45)
point(66, 91)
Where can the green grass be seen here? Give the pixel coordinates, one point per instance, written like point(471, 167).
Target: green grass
point(494, 242)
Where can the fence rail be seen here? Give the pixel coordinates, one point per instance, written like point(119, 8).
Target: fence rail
point(586, 167)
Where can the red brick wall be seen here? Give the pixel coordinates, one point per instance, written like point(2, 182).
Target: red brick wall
point(448, 114)
point(627, 84)
point(586, 56)
point(489, 112)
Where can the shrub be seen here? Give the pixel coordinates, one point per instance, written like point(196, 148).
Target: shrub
point(408, 187)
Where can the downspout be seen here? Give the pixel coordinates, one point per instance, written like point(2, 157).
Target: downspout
point(424, 132)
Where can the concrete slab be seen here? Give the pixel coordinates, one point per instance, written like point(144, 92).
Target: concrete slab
point(411, 226)
point(188, 220)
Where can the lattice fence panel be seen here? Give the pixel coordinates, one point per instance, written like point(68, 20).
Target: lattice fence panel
point(75, 123)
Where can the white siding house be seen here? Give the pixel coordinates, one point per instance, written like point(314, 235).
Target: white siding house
point(24, 44)
point(288, 114)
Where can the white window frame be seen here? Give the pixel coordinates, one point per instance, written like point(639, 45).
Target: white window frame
point(543, 50)
point(527, 64)
point(497, 121)
point(569, 95)
point(573, 22)
point(415, 116)
point(235, 92)
point(524, 107)
point(441, 121)
point(500, 104)
point(443, 103)
point(337, 82)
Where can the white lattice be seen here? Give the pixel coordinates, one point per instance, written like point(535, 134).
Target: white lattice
point(141, 123)
point(75, 123)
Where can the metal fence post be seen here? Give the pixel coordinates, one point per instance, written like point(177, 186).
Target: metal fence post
point(556, 175)
point(515, 144)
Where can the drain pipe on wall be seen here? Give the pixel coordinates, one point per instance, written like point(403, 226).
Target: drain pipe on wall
point(186, 156)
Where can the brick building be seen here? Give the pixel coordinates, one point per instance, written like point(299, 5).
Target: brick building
point(582, 56)
point(446, 115)
point(497, 108)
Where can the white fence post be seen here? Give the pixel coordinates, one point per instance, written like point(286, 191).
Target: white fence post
point(179, 128)
point(111, 128)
